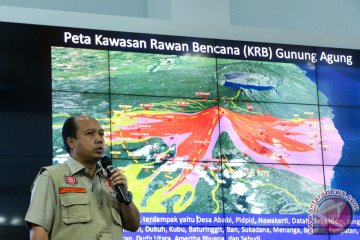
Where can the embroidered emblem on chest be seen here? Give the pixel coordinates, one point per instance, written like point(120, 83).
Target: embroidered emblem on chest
point(70, 180)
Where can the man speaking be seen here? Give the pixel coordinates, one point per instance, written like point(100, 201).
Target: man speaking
point(77, 200)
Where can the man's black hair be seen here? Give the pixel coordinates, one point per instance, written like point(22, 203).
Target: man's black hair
point(69, 130)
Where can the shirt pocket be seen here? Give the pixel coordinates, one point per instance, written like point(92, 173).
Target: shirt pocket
point(115, 211)
point(75, 209)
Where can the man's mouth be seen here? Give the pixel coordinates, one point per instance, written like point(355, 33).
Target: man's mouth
point(99, 150)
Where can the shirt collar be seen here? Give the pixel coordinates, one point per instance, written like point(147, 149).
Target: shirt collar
point(76, 167)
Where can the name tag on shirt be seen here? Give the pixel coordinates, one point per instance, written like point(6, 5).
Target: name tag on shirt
point(72, 190)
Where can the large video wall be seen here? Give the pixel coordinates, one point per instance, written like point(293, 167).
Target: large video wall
point(218, 139)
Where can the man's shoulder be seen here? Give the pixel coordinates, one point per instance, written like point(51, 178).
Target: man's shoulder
point(62, 167)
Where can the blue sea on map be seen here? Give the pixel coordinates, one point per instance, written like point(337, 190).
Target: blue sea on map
point(340, 85)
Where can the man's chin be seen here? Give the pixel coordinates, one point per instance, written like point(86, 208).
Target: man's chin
point(98, 156)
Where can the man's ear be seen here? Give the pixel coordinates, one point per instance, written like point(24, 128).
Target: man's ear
point(70, 142)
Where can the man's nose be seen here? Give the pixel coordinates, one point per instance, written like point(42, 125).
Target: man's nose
point(99, 138)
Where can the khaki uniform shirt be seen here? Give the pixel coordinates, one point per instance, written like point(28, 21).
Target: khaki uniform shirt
point(70, 204)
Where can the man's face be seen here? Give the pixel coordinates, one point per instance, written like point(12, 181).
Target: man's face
point(89, 145)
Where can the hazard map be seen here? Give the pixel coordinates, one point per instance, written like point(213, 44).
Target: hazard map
point(196, 134)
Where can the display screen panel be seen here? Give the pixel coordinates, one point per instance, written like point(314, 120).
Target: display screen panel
point(267, 81)
point(79, 70)
point(271, 132)
point(169, 126)
point(162, 75)
point(339, 78)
